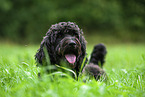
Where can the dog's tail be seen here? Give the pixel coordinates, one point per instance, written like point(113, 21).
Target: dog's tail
point(97, 59)
point(98, 55)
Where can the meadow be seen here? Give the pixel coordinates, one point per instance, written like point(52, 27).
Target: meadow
point(125, 67)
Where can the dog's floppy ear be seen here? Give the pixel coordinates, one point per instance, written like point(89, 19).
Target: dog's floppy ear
point(47, 43)
point(83, 53)
point(46, 47)
point(40, 55)
point(83, 43)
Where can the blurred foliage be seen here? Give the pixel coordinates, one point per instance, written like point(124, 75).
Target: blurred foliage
point(29, 20)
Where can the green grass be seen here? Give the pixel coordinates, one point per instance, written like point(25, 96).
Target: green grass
point(125, 67)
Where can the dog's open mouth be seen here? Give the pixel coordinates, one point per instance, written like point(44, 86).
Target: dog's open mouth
point(71, 55)
point(71, 58)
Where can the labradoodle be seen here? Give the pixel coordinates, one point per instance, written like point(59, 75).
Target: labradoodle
point(64, 43)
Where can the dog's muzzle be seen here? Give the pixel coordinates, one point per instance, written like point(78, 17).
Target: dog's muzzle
point(70, 49)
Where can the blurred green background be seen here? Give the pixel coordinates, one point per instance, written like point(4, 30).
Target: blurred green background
point(109, 21)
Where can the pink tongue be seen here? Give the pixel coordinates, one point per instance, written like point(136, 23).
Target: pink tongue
point(71, 58)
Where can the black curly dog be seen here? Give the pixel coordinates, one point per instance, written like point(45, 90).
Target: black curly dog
point(64, 43)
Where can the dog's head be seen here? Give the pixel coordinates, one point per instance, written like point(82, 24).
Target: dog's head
point(64, 42)
point(68, 48)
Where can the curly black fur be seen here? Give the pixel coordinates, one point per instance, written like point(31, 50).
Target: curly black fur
point(66, 39)
point(95, 71)
point(94, 68)
point(62, 39)
point(98, 55)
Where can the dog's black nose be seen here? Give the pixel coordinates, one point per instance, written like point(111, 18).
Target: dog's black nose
point(72, 43)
